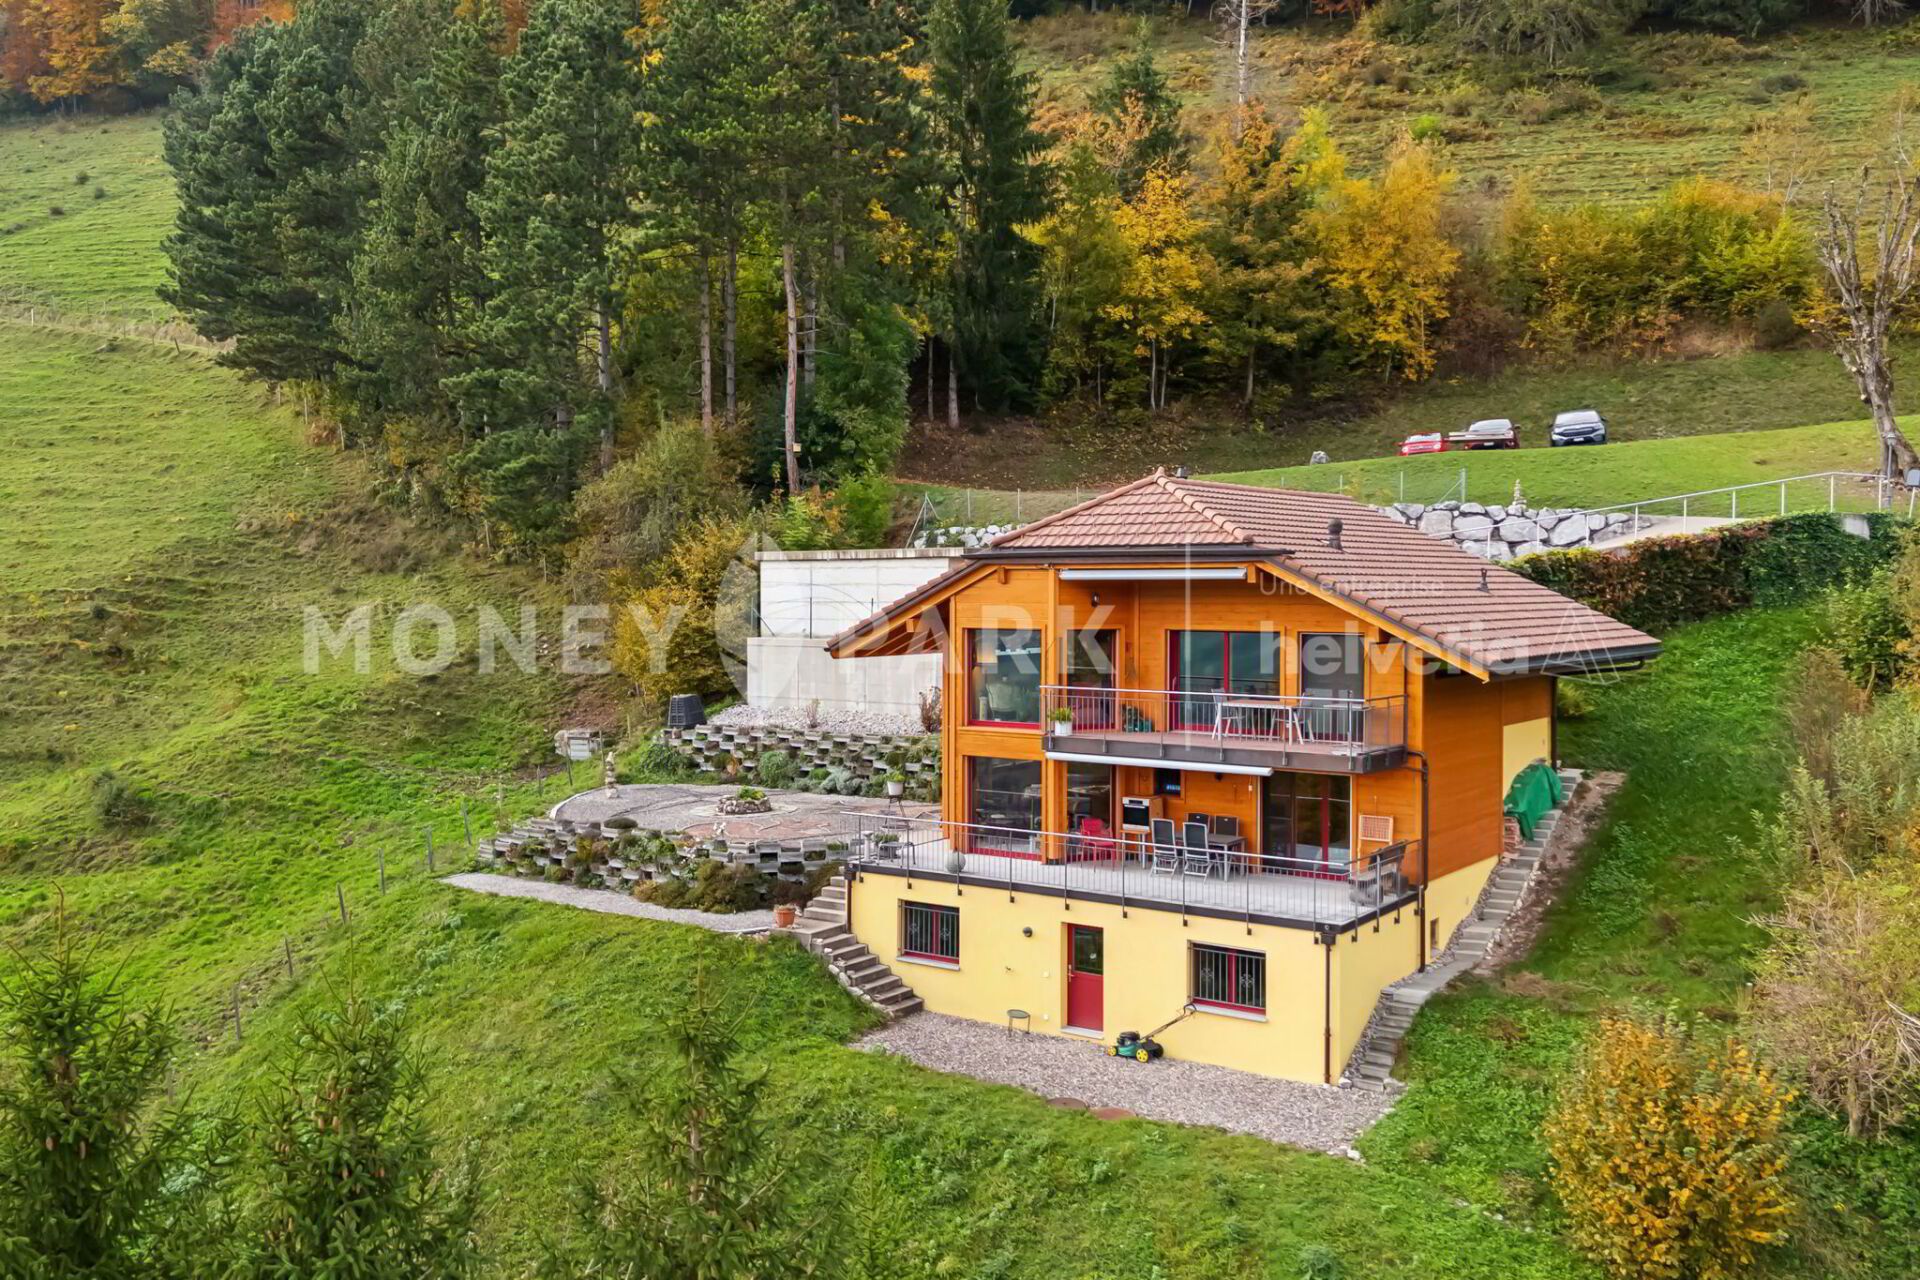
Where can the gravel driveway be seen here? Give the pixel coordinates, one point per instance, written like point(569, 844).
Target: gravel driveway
point(1318, 1117)
point(613, 904)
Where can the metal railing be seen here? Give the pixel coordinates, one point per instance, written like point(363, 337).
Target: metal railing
point(1223, 717)
point(1790, 495)
point(1225, 878)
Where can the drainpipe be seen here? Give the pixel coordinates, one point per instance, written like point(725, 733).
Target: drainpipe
point(1426, 853)
point(1553, 722)
point(1326, 1052)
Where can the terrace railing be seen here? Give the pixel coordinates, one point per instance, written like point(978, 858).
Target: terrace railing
point(1110, 868)
point(1220, 717)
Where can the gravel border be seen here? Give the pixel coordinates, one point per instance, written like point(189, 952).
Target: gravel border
point(607, 902)
point(1079, 1073)
point(827, 719)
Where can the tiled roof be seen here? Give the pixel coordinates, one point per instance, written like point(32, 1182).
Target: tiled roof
point(1459, 604)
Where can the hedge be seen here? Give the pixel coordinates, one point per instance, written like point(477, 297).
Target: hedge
point(1658, 583)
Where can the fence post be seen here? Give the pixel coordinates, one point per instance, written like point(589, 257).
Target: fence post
point(237, 1033)
point(383, 871)
point(287, 944)
point(1016, 506)
point(466, 823)
point(340, 891)
point(429, 850)
point(1733, 496)
point(1829, 494)
point(1684, 525)
point(1783, 497)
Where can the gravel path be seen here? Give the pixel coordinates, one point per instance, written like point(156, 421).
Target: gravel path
point(827, 719)
point(1318, 1117)
point(610, 903)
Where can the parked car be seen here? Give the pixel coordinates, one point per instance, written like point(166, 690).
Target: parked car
point(1488, 433)
point(1431, 443)
point(1578, 426)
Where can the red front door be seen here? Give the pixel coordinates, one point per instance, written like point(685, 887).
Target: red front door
point(1086, 974)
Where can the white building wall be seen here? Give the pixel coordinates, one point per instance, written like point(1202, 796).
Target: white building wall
point(808, 596)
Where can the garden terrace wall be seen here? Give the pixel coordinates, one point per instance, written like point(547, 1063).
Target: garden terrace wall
point(1659, 583)
point(866, 755)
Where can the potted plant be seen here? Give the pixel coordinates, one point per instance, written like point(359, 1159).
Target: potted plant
point(896, 784)
point(1061, 718)
point(783, 915)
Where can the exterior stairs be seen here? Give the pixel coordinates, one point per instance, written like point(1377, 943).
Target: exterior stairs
point(1372, 1064)
point(822, 929)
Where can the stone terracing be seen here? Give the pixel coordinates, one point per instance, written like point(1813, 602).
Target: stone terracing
point(1505, 532)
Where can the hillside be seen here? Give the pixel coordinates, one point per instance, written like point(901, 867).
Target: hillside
point(1659, 107)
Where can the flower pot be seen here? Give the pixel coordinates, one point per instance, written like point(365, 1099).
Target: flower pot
point(956, 862)
point(896, 789)
point(783, 916)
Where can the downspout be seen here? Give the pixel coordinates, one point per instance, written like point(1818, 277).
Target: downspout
point(1553, 722)
point(1426, 853)
point(1326, 1051)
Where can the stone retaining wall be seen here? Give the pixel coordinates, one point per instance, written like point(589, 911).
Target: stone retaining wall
point(1502, 532)
point(866, 754)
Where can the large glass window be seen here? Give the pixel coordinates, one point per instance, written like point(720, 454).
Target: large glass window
point(1209, 664)
point(1003, 677)
point(930, 931)
point(1090, 798)
point(1003, 793)
point(1223, 978)
point(1333, 685)
point(1309, 822)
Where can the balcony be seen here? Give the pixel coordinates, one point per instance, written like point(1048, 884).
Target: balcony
point(1221, 883)
point(1215, 728)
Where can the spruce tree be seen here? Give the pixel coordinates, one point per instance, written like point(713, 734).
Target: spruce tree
point(709, 1194)
point(994, 182)
point(346, 1177)
point(1138, 106)
point(94, 1171)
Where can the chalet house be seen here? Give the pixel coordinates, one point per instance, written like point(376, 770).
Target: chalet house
point(1217, 746)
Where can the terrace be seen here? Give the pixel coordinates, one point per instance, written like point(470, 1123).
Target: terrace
point(1219, 882)
point(1222, 727)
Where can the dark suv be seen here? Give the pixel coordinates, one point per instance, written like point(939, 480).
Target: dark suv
point(1578, 426)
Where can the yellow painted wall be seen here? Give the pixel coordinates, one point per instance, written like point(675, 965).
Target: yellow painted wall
point(1452, 897)
point(1526, 708)
point(1147, 972)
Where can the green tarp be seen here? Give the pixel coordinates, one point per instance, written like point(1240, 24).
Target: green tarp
point(1536, 790)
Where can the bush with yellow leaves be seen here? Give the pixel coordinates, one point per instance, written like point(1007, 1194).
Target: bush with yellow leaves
point(1668, 1153)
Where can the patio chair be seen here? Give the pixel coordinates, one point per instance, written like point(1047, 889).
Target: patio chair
point(1196, 858)
point(1165, 855)
point(1225, 824)
point(1095, 842)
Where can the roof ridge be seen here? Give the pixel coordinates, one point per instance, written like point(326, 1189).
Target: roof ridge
point(1207, 513)
point(1075, 509)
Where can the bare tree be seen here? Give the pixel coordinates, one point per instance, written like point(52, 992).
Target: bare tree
point(1868, 298)
point(1237, 18)
point(1783, 150)
point(1872, 13)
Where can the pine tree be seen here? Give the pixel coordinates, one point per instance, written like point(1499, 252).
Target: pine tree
point(348, 1183)
point(556, 210)
point(86, 1153)
point(995, 182)
point(1141, 117)
point(710, 1194)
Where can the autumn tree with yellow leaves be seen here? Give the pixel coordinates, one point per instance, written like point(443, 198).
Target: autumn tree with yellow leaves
point(1669, 1153)
point(1387, 257)
point(1159, 302)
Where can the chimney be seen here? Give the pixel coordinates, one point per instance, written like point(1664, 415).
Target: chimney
point(1333, 534)
point(1483, 581)
point(1181, 473)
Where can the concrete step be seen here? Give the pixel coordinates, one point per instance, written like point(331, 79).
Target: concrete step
point(900, 1008)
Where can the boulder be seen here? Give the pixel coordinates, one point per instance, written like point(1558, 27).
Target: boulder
point(1437, 522)
point(1528, 548)
point(1412, 510)
point(1470, 526)
point(1616, 518)
point(1569, 531)
point(1482, 549)
point(1548, 519)
point(1472, 509)
point(1519, 529)
point(1497, 513)
point(1394, 514)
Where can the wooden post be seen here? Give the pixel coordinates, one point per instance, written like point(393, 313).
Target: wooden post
point(340, 891)
point(466, 823)
point(287, 945)
point(429, 850)
point(383, 871)
point(237, 1035)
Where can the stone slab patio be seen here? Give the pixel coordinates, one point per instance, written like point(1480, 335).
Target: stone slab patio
point(694, 809)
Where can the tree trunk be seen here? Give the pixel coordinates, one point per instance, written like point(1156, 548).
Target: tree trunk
point(605, 369)
point(812, 334)
point(1247, 399)
point(791, 432)
point(953, 391)
point(930, 378)
point(729, 339)
point(706, 344)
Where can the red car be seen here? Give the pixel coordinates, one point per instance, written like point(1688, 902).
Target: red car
point(1434, 443)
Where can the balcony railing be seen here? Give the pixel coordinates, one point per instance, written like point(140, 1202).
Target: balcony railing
point(1202, 725)
point(1216, 881)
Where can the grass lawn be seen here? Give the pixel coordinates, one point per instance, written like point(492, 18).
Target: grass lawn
point(1658, 915)
point(101, 252)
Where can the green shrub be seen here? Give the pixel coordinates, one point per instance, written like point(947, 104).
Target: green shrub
point(1866, 631)
point(1659, 583)
point(119, 803)
point(776, 769)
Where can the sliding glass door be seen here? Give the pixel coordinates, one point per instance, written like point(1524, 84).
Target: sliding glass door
point(1306, 823)
point(1333, 686)
point(1209, 666)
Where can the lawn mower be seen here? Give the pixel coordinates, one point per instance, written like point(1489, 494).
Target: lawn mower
point(1144, 1048)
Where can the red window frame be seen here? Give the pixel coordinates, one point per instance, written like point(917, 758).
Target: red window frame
point(1234, 958)
point(972, 652)
point(936, 913)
